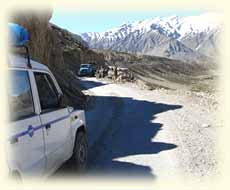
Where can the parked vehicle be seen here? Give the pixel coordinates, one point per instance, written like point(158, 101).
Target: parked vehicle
point(44, 132)
point(86, 70)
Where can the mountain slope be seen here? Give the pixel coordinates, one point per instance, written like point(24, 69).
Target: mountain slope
point(174, 37)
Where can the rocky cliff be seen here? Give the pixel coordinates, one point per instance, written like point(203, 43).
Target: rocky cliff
point(59, 49)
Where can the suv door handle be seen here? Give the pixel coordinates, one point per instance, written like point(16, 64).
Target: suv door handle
point(30, 131)
point(48, 126)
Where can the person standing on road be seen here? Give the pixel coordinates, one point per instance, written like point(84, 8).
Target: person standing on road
point(115, 73)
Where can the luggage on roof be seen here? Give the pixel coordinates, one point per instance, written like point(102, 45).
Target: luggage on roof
point(19, 36)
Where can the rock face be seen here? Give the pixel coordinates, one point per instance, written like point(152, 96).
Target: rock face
point(60, 50)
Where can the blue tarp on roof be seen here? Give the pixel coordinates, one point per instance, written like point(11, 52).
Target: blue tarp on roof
point(19, 36)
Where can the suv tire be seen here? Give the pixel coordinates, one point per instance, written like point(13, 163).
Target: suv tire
point(80, 152)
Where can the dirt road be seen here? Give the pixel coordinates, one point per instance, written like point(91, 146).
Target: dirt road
point(156, 134)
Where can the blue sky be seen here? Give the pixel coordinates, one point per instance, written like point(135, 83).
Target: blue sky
point(79, 22)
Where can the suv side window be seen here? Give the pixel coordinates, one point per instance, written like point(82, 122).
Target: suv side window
point(20, 95)
point(47, 91)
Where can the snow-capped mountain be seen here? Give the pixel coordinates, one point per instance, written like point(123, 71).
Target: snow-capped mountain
point(174, 36)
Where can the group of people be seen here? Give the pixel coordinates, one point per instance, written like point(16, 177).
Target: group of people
point(115, 73)
point(104, 71)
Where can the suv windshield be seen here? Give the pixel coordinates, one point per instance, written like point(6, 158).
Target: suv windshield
point(85, 66)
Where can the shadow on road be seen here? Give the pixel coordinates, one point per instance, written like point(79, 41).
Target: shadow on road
point(130, 132)
point(88, 84)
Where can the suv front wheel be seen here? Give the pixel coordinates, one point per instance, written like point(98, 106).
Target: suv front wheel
point(80, 153)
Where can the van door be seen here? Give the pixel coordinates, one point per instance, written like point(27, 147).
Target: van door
point(26, 153)
point(56, 120)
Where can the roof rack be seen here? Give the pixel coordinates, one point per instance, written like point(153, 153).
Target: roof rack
point(19, 37)
point(27, 55)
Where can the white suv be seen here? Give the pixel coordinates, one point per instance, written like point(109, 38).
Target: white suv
point(43, 131)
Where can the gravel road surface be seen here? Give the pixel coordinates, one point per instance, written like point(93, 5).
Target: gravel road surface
point(156, 134)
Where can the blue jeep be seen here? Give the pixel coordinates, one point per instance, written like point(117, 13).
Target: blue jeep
point(86, 70)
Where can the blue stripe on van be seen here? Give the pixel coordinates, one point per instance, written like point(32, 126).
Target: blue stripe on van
point(23, 133)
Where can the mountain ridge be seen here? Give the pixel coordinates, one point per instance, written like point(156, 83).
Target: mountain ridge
point(173, 37)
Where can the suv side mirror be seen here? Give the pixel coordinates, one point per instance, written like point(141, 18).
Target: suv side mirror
point(71, 109)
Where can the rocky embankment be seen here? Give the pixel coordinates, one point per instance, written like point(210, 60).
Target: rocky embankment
point(60, 50)
point(159, 72)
